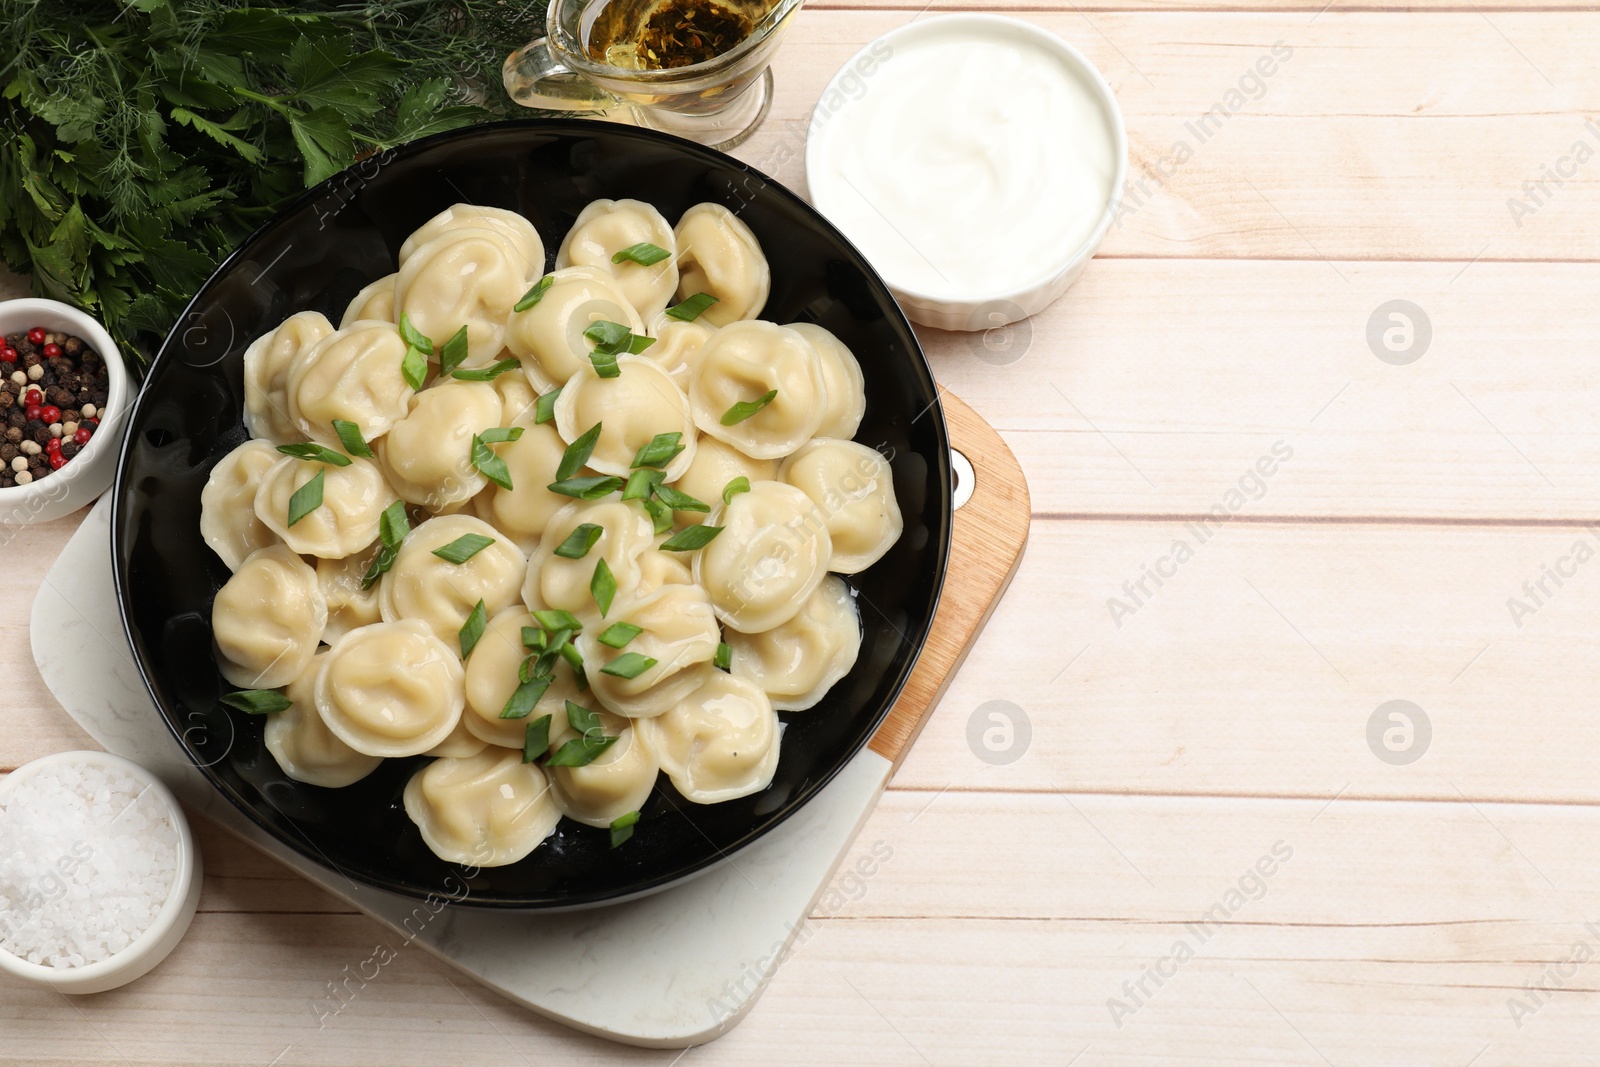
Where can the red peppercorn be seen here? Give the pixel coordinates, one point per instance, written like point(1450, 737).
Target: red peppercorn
point(82, 435)
point(50, 413)
point(57, 461)
point(33, 412)
point(36, 335)
point(54, 445)
point(8, 354)
point(32, 397)
point(52, 351)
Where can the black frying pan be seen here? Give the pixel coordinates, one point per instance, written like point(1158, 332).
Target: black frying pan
point(316, 255)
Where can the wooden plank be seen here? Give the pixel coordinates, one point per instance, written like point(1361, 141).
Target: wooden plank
point(1255, 667)
point(1120, 400)
point(986, 545)
point(1416, 921)
point(1379, 137)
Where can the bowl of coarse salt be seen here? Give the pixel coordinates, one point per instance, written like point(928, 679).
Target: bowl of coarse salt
point(99, 876)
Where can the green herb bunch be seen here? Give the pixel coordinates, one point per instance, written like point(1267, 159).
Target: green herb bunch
point(144, 139)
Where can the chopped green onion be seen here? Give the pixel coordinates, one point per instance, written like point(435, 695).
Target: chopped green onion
point(380, 565)
point(586, 488)
point(536, 294)
point(257, 701)
point(393, 524)
point(644, 253)
point(499, 435)
point(662, 449)
point(414, 368)
point(618, 634)
point(533, 637)
point(306, 499)
point(453, 352)
point(580, 541)
point(692, 308)
point(660, 515)
point(574, 658)
point(536, 738)
point(486, 374)
point(611, 336)
point(489, 464)
point(583, 720)
point(679, 501)
point(350, 436)
point(580, 751)
point(463, 548)
point(545, 409)
point(746, 408)
point(637, 343)
point(526, 696)
point(578, 453)
point(603, 586)
point(641, 484)
point(738, 485)
point(315, 454)
point(690, 538)
point(472, 629)
point(724, 656)
point(605, 364)
point(622, 827)
point(414, 337)
point(628, 665)
point(554, 619)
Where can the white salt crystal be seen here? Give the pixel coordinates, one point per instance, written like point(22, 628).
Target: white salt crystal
point(87, 859)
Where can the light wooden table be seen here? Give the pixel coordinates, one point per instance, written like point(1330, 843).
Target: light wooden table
point(1176, 747)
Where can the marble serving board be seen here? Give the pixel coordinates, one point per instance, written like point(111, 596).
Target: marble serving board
point(670, 970)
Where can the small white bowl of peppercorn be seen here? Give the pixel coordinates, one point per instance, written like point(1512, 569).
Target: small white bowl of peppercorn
point(63, 410)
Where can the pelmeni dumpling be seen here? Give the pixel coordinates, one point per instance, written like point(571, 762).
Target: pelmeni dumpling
point(841, 373)
point(460, 743)
point(304, 747)
point(349, 605)
point(556, 582)
point(354, 375)
point(677, 347)
point(548, 337)
point(510, 225)
point(718, 743)
point(797, 663)
point(353, 499)
point(373, 303)
point(492, 677)
point(487, 810)
point(659, 568)
point(390, 689)
point(429, 588)
point(680, 634)
point(523, 511)
point(773, 551)
point(266, 376)
point(631, 409)
point(516, 395)
point(427, 455)
point(853, 489)
point(605, 228)
point(267, 619)
point(472, 276)
point(228, 521)
point(743, 363)
point(713, 467)
point(719, 256)
point(615, 782)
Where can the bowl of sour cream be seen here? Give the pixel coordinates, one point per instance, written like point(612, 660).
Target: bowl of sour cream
point(975, 160)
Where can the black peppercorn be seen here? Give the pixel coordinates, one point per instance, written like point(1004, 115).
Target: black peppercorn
point(16, 419)
point(14, 435)
point(70, 448)
point(37, 432)
point(8, 452)
point(98, 398)
point(30, 359)
point(73, 346)
point(70, 414)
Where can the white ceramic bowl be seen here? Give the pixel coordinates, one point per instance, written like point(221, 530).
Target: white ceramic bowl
point(90, 472)
point(171, 922)
point(978, 310)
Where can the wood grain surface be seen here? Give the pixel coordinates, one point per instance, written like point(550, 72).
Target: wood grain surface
point(1428, 913)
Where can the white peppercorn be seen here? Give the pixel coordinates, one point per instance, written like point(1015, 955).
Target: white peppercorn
point(90, 411)
point(20, 377)
point(20, 463)
point(36, 372)
point(32, 448)
point(56, 429)
point(23, 477)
